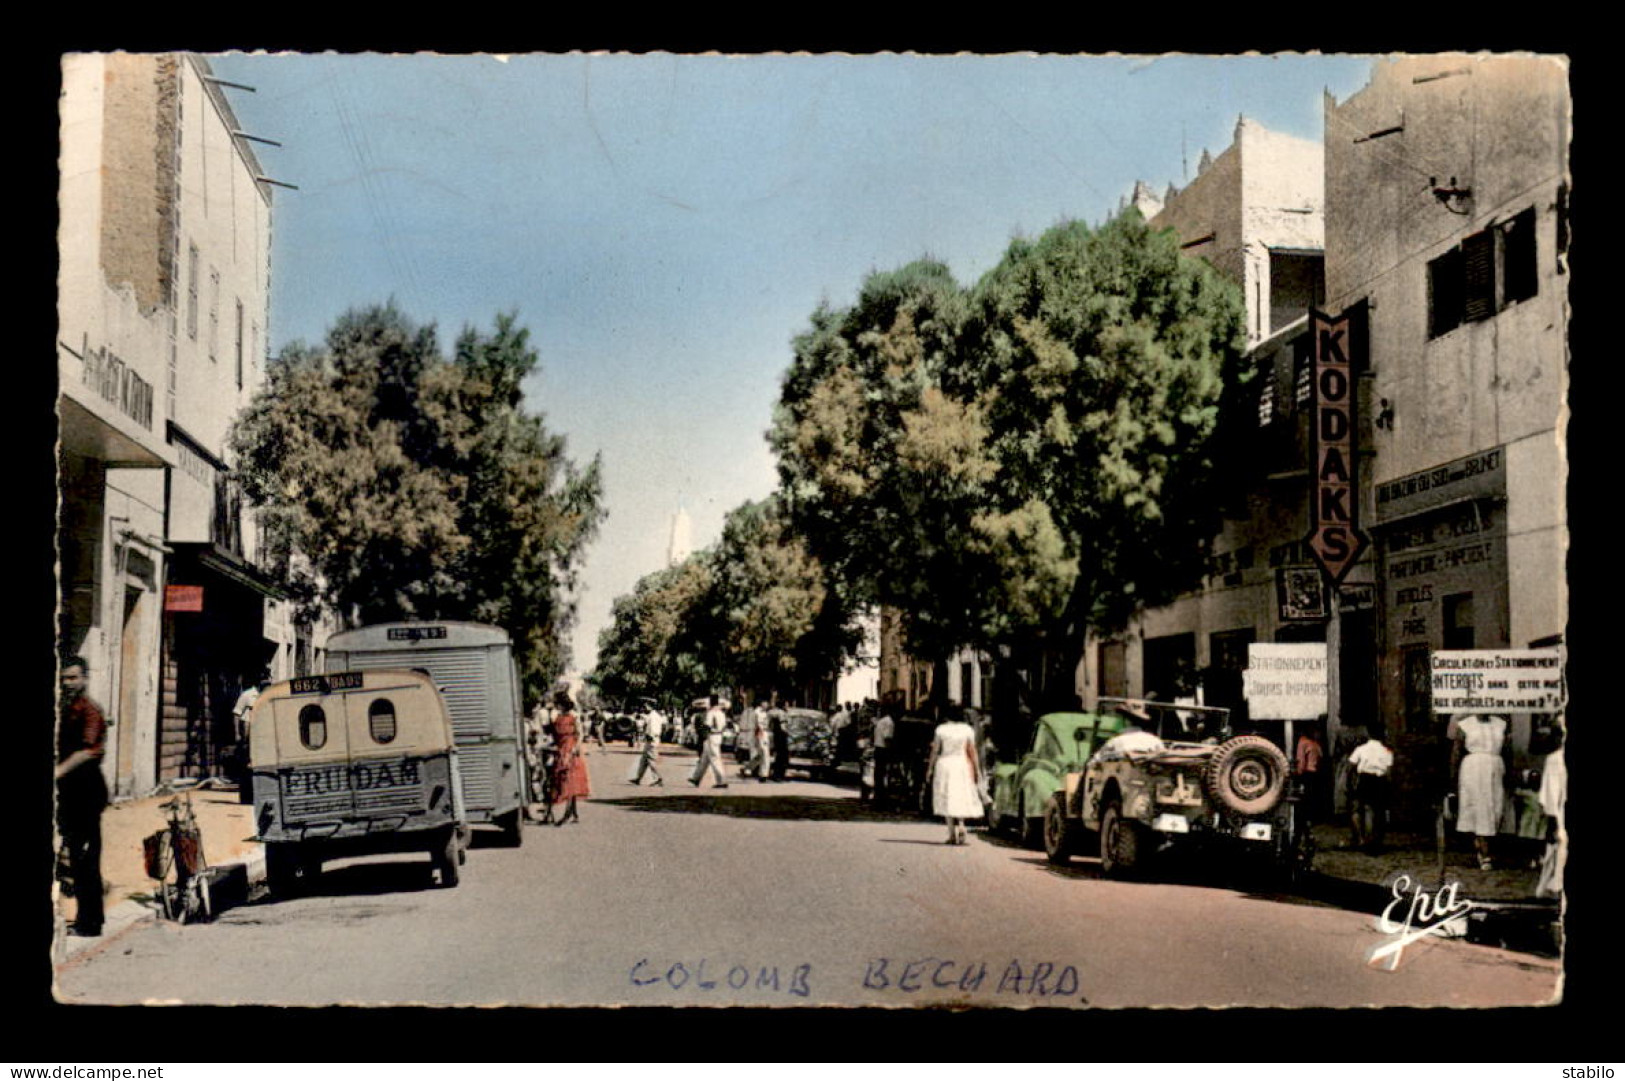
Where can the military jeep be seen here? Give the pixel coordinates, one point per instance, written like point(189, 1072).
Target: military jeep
point(1196, 787)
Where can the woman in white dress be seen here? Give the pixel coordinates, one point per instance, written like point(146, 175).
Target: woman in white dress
point(1480, 787)
point(954, 776)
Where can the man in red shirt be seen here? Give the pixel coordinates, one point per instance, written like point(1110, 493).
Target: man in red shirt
point(1306, 763)
point(81, 793)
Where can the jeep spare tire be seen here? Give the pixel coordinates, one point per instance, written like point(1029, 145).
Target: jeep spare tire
point(1246, 775)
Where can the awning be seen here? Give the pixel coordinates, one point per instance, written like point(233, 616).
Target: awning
point(210, 556)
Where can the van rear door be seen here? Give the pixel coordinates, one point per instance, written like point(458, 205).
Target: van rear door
point(313, 751)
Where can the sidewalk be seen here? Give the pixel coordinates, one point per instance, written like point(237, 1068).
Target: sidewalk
point(1506, 911)
point(227, 826)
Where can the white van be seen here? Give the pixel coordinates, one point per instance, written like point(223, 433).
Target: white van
point(472, 664)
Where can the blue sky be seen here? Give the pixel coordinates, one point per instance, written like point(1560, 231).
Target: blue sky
point(665, 224)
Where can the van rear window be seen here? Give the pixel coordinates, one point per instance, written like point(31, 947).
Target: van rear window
point(381, 720)
point(313, 727)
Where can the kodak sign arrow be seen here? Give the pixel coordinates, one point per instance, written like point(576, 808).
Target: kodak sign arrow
point(1334, 537)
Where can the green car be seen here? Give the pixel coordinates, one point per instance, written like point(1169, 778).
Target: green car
point(1061, 744)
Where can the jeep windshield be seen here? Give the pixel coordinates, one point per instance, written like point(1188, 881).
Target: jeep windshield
point(1175, 722)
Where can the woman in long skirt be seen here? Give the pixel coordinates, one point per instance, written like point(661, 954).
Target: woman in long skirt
point(570, 781)
point(1480, 781)
point(954, 776)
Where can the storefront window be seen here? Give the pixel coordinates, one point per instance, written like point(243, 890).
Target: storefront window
point(1458, 621)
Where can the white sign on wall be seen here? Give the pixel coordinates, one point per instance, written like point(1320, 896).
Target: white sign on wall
point(1285, 681)
point(1497, 680)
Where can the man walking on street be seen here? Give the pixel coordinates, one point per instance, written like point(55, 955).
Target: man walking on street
point(750, 723)
point(653, 725)
point(882, 737)
point(711, 747)
point(762, 756)
point(81, 793)
point(1371, 762)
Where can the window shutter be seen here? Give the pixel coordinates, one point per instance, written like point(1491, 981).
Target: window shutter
point(1518, 264)
point(1444, 293)
point(1478, 276)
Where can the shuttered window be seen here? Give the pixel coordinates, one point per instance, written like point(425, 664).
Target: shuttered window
point(1478, 276)
point(1491, 270)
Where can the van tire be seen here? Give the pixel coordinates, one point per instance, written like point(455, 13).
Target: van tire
point(512, 828)
point(444, 859)
point(287, 873)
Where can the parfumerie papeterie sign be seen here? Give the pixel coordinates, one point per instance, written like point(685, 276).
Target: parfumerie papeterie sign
point(1285, 681)
point(1334, 539)
point(1498, 680)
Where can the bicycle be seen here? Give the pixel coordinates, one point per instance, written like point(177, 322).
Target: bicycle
point(174, 859)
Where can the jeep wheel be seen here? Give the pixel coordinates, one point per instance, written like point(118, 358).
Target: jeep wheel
point(1246, 775)
point(1060, 835)
point(1122, 844)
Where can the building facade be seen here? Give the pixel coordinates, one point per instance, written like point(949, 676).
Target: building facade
point(1444, 232)
point(1447, 192)
point(163, 314)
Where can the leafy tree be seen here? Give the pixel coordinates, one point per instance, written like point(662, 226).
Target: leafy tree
point(753, 611)
point(778, 621)
point(657, 641)
point(400, 484)
point(880, 469)
point(1013, 464)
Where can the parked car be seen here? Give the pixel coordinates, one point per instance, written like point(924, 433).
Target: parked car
point(621, 726)
point(352, 764)
point(812, 741)
point(1204, 790)
point(1061, 743)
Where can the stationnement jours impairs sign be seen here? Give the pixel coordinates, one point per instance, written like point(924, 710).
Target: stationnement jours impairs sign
point(1497, 680)
point(1285, 681)
point(1334, 539)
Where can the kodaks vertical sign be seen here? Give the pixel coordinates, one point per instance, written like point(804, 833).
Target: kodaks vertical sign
point(1334, 539)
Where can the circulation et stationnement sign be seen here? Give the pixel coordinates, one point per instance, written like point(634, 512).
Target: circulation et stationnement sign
point(1334, 539)
point(1498, 681)
point(1285, 681)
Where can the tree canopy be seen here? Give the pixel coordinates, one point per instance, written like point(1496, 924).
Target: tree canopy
point(1022, 460)
point(754, 611)
point(655, 645)
point(398, 483)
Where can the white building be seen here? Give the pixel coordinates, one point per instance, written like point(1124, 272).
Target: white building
point(163, 308)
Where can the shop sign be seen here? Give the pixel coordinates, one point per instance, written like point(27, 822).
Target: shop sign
point(1481, 474)
point(1497, 680)
point(1285, 681)
point(1358, 597)
point(1300, 594)
point(1334, 539)
point(183, 598)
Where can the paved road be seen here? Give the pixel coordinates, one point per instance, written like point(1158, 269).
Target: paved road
point(785, 894)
